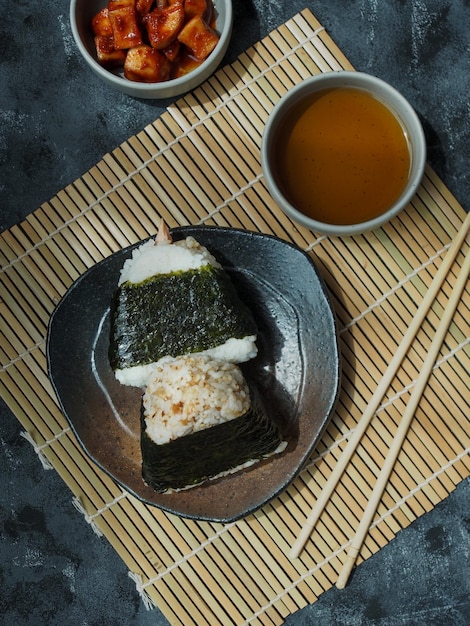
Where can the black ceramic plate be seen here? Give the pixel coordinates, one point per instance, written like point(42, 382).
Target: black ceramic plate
point(297, 370)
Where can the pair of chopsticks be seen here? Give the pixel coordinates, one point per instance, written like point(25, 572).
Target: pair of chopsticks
point(410, 410)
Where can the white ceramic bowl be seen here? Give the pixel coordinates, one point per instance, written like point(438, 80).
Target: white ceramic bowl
point(81, 13)
point(388, 96)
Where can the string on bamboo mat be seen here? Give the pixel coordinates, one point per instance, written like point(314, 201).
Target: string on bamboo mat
point(90, 519)
point(39, 449)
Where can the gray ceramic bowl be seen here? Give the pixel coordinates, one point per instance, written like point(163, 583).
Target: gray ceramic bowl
point(385, 93)
point(81, 13)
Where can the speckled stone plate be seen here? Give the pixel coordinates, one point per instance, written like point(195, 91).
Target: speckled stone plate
point(297, 370)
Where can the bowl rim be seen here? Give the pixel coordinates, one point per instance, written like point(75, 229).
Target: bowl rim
point(174, 85)
point(360, 80)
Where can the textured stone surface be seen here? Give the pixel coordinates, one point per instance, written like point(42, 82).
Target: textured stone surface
point(56, 121)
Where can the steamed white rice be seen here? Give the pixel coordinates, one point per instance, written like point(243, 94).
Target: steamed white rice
point(151, 259)
point(233, 351)
point(191, 393)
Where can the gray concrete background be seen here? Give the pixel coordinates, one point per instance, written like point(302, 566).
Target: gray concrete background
point(56, 121)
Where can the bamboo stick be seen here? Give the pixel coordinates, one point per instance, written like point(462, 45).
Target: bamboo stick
point(404, 424)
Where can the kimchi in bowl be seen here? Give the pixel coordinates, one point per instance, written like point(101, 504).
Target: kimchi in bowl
point(149, 48)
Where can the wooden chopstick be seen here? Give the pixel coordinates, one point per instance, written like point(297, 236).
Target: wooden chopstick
point(381, 389)
point(405, 422)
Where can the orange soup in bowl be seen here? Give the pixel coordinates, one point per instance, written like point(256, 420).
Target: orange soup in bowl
point(343, 156)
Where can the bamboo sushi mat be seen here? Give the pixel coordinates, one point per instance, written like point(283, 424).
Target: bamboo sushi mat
point(199, 164)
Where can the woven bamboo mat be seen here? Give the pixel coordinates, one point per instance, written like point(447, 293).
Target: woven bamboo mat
point(199, 163)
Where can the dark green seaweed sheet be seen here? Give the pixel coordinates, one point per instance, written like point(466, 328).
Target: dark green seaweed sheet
point(175, 314)
point(190, 460)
